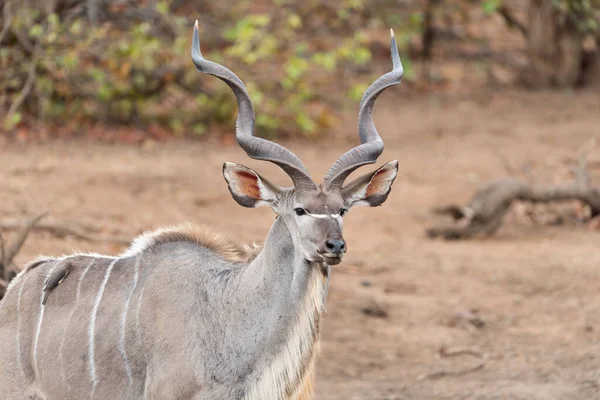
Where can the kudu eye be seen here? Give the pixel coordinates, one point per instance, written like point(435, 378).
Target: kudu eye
point(343, 212)
point(300, 211)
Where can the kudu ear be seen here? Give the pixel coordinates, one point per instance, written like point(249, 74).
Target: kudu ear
point(248, 188)
point(371, 189)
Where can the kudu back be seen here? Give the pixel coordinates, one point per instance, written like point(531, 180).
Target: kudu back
point(185, 313)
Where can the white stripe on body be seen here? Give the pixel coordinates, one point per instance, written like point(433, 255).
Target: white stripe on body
point(124, 321)
point(64, 337)
point(137, 316)
point(37, 337)
point(92, 328)
point(18, 347)
point(39, 328)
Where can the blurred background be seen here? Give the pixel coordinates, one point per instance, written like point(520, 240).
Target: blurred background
point(477, 279)
point(69, 65)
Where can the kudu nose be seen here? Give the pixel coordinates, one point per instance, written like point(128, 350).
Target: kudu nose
point(335, 246)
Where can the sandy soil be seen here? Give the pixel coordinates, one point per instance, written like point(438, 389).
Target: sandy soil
point(536, 288)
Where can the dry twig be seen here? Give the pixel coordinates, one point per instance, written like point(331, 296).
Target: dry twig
point(31, 74)
point(7, 253)
point(501, 157)
point(511, 20)
point(63, 228)
point(7, 268)
point(10, 252)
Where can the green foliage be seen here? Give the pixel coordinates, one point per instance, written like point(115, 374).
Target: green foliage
point(126, 74)
point(12, 120)
point(292, 67)
point(585, 13)
point(490, 6)
point(302, 62)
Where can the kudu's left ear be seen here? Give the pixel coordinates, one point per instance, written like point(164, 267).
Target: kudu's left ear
point(371, 189)
point(248, 188)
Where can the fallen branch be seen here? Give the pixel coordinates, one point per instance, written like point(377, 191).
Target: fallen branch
point(488, 207)
point(63, 228)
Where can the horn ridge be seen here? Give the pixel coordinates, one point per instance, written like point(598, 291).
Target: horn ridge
point(371, 145)
point(255, 147)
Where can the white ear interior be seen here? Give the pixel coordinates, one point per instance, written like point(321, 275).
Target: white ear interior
point(265, 193)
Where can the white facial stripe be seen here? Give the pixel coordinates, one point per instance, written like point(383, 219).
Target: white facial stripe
point(334, 216)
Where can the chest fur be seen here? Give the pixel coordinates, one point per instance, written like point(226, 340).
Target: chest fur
point(290, 374)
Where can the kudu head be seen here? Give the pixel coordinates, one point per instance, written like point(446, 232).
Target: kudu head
point(313, 213)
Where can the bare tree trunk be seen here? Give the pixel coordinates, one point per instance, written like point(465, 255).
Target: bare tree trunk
point(591, 64)
point(92, 11)
point(554, 46)
point(592, 75)
point(428, 35)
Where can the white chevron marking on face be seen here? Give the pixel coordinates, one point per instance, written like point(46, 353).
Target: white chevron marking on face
point(334, 216)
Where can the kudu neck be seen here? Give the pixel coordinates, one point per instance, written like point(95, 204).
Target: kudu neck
point(288, 291)
point(281, 269)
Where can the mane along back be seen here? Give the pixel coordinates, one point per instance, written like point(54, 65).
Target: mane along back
point(199, 235)
point(186, 233)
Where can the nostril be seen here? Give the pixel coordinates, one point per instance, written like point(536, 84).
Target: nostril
point(335, 246)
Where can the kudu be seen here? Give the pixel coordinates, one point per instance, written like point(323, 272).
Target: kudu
point(185, 314)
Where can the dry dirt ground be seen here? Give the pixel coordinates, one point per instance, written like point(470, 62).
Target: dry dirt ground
point(535, 288)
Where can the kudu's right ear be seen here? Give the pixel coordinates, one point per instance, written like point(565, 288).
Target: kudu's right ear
point(371, 189)
point(248, 188)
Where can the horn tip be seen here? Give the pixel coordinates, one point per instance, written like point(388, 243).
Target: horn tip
point(196, 52)
point(397, 64)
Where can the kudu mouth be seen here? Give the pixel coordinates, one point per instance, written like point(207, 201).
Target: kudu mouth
point(332, 258)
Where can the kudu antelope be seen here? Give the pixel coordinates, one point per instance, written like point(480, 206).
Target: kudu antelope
point(185, 314)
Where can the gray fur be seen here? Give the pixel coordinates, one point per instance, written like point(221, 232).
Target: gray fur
point(218, 348)
point(208, 328)
point(55, 278)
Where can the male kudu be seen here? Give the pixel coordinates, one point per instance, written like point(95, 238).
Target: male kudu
point(185, 314)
